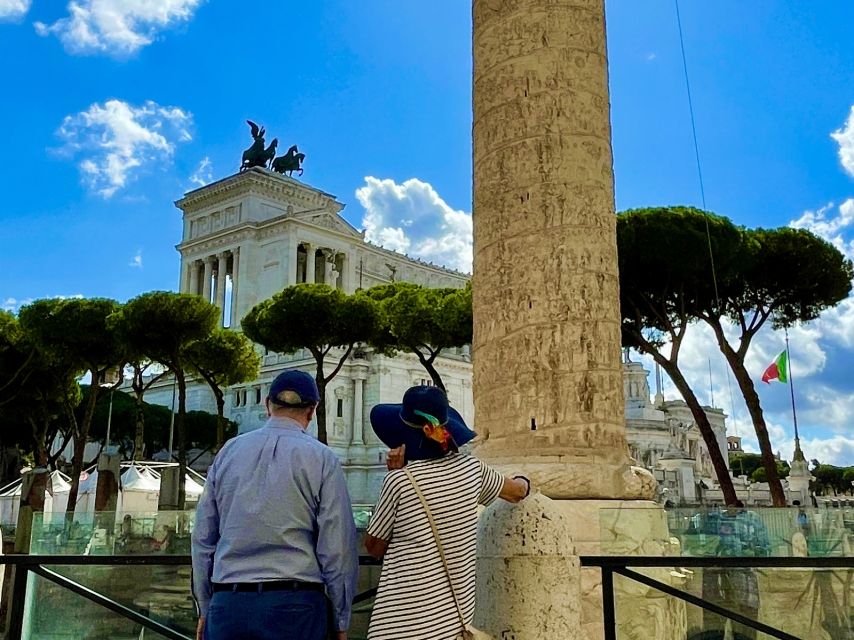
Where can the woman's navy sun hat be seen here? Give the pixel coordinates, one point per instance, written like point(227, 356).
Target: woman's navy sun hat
point(399, 424)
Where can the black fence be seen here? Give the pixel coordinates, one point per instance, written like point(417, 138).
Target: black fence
point(25, 565)
point(625, 566)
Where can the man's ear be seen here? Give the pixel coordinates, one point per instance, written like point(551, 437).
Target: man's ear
point(312, 412)
point(267, 406)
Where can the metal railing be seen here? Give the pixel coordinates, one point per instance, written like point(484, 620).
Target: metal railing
point(38, 565)
point(624, 566)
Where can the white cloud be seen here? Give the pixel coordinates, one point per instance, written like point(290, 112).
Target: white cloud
point(651, 56)
point(136, 261)
point(115, 139)
point(412, 218)
point(837, 450)
point(844, 137)
point(830, 225)
point(14, 305)
point(116, 27)
point(13, 10)
point(203, 174)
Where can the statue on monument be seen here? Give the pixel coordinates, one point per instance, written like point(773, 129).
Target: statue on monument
point(290, 162)
point(257, 155)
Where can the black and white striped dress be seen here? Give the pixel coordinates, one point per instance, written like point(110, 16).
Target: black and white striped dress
point(414, 601)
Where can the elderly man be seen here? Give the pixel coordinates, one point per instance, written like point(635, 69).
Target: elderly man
point(274, 529)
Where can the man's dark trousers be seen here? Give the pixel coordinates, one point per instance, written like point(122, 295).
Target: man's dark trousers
point(271, 615)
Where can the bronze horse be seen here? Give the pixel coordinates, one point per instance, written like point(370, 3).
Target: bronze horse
point(290, 162)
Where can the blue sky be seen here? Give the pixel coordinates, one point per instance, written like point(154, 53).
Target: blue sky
point(111, 110)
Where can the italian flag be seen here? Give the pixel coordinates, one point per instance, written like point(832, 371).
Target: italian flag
point(777, 370)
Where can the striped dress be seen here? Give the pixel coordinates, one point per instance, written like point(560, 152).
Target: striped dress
point(414, 601)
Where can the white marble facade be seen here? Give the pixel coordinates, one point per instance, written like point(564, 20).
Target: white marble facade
point(664, 438)
point(248, 236)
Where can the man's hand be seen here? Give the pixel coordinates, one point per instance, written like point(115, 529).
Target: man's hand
point(200, 629)
point(342, 635)
point(395, 458)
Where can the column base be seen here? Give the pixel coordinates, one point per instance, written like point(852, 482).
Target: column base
point(577, 478)
point(530, 584)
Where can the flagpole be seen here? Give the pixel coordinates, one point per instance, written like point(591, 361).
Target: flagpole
point(798, 451)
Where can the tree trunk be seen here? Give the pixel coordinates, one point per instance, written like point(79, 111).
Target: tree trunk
point(182, 437)
point(76, 470)
point(39, 432)
point(427, 363)
point(220, 420)
point(320, 379)
point(139, 437)
point(705, 427)
point(80, 436)
point(754, 407)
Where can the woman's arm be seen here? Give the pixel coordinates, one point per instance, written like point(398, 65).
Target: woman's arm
point(376, 546)
point(515, 489)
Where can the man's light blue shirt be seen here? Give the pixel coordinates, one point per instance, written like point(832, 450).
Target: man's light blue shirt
point(276, 507)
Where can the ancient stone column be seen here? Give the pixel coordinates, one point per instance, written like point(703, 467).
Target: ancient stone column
point(359, 375)
point(196, 282)
point(219, 298)
point(235, 270)
point(186, 277)
point(548, 389)
point(310, 267)
point(206, 278)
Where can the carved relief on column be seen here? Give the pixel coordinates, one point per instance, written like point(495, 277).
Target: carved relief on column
point(548, 386)
point(235, 280)
point(206, 278)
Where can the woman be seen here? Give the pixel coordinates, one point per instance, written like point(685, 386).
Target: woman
point(414, 599)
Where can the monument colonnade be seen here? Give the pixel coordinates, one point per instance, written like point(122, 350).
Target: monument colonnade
point(207, 277)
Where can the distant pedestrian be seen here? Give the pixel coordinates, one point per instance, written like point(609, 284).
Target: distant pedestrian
point(274, 534)
point(802, 520)
point(427, 586)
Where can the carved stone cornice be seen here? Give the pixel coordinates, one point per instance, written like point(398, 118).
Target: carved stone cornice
point(260, 182)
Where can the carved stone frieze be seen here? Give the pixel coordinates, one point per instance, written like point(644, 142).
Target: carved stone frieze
point(548, 385)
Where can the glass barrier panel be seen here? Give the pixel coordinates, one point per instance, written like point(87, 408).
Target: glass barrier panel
point(54, 613)
point(127, 532)
point(813, 604)
point(714, 531)
point(113, 533)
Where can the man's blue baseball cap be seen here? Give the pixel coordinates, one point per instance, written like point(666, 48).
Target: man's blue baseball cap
point(294, 389)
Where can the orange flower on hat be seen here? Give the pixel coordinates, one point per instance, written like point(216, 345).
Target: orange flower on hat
point(435, 430)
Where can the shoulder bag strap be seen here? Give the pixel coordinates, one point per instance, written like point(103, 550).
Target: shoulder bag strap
point(438, 542)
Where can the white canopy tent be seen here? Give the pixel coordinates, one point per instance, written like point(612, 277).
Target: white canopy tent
point(56, 498)
point(139, 492)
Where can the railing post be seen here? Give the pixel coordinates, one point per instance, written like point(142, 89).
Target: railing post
point(608, 612)
point(17, 602)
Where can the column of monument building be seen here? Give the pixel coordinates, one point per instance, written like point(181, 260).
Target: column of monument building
point(548, 388)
